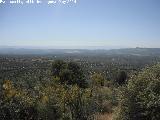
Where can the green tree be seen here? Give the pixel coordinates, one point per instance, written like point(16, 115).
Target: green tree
point(140, 99)
point(69, 73)
point(97, 80)
point(57, 67)
point(121, 78)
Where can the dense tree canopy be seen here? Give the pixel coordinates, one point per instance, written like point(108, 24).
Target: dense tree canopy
point(29, 89)
point(140, 99)
point(121, 77)
point(69, 73)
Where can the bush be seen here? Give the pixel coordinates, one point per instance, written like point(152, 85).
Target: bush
point(69, 73)
point(140, 99)
point(121, 78)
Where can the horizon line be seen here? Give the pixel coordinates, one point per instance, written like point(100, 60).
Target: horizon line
point(70, 47)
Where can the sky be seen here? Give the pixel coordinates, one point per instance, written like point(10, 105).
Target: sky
point(110, 23)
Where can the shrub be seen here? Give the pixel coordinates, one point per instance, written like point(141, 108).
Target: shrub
point(140, 99)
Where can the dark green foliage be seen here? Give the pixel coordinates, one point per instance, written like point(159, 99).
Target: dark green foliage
point(66, 77)
point(57, 67)
point(28, 113)
point(14, 109)
point(77, 75)
point(121, 78)
point(69, 73)
point(139, 100)
point(37, 92)
point(50, 112)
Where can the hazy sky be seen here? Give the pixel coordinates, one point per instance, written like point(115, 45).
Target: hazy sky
point(125, 23)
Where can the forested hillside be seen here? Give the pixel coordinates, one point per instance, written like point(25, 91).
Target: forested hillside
point(79, 87)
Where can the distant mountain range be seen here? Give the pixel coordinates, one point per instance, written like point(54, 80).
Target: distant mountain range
point(124, 51)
